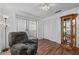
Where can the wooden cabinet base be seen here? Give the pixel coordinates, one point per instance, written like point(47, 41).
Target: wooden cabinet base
point(67, 47)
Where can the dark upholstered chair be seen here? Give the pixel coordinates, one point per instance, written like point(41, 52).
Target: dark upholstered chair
point(21, 45)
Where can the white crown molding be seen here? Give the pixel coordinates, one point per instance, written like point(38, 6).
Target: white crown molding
point(26, 15)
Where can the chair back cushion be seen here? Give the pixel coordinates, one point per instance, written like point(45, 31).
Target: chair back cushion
point(17, 37)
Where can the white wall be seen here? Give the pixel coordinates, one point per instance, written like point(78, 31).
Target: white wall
point(11, 25)
point(0, 30)
point(77, 31)
point(51, 26)
point(40, 29)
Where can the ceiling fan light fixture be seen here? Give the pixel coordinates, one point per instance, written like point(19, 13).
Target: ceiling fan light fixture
point(45, 7)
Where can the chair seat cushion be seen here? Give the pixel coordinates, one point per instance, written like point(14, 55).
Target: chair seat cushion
point(23, 49)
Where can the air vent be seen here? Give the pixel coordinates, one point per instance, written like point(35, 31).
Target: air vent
point(58, 11)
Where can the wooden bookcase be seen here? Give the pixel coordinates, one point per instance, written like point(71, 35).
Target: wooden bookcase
point(68, 31)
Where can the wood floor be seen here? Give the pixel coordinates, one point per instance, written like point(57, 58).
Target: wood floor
point(47, 47)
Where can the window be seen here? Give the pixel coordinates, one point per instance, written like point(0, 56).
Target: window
point(21, 25)
point(29, 26)
point(32, 28)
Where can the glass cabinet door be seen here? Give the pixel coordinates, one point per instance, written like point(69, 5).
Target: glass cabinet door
point(74, 32)
point(67, 31)
point(68, 34)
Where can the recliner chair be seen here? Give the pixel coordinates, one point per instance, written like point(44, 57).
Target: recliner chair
point(21, 45)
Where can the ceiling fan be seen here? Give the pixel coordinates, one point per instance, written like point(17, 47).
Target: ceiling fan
point(46, 6)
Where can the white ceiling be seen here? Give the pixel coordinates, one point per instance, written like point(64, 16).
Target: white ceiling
point(34, 8)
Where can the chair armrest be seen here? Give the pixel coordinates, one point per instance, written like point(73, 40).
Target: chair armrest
point(33, 40)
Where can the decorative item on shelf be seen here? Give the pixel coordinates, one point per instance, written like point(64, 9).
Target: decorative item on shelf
point(65, 41)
